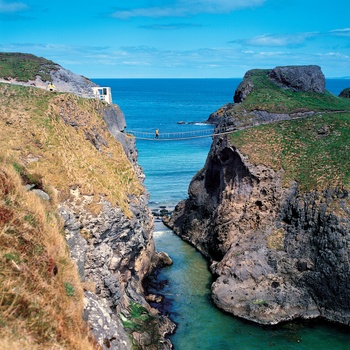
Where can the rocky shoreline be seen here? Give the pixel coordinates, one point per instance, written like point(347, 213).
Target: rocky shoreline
point(277, 253)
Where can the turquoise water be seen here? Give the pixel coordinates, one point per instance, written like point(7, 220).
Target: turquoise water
point(201, 326)
point(169, 167)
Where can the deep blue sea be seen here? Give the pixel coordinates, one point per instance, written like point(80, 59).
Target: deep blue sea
point(169, 166)
point(150, 104)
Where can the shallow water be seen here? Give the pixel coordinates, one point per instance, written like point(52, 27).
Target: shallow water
point(201, 326)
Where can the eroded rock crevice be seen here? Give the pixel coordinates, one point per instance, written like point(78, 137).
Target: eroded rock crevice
point(278, 253)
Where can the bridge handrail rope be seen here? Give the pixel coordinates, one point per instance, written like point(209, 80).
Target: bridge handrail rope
point(170, 136)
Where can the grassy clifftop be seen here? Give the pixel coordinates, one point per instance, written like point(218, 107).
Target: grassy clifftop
point(59, 143)
point(63, 139)
point(25, 67)
point(268, 96)
point(313, 151)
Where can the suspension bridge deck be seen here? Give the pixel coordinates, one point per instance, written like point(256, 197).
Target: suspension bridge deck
point(176, 136)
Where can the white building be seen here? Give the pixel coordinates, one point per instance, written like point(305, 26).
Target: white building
point(103, 93)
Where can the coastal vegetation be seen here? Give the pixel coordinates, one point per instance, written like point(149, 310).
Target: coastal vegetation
point(63, 140)
point(41, 301)
point(25, 67)
point(267, 96)
point(313, 151)
point(140, 320)
point(57, 143)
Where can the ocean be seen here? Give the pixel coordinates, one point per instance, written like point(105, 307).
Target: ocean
point(182, 105)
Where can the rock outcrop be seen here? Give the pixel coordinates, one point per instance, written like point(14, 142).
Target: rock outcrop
point(277, 252)
point(114, 253)
point(345, 93)
point(296, 78)
point(299, 78)
point(109, 232)
point(47, 72)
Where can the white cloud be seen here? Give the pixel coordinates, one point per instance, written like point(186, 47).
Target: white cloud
point(279, 40)
point(12, 7)
point(341, 32)
point(335, 54)
point(184, 8)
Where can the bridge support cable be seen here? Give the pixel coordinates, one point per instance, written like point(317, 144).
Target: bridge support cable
point(175, 136)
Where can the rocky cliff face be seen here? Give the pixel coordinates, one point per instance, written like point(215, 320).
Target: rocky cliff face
point(109, 230)
point(29, 70)
point(277, 252)
point(114, 253)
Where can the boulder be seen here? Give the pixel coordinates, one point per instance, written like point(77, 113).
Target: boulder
point(299, 78)
point(345, 93)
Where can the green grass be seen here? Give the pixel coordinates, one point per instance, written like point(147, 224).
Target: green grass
point(25, 67)
point(313, 151)
point(39, 308)
point(36, 124)
point(140, 320)
point(269, 97)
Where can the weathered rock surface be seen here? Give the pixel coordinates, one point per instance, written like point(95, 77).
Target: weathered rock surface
point(299, 78)
point(63, 79)
point(345, 93)
point(114, 253)
point(278, 254)
point(108, 329)
point(112, 246)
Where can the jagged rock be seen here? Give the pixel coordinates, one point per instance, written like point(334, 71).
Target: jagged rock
point(279, 253)
point(345, 93)
point(164, 259)
point(244, 88)
point(106, 328)
point(76, 243)
point(116, 252)
point(299, 78)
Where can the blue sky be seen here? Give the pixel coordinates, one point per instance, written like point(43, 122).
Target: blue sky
point(179, 38)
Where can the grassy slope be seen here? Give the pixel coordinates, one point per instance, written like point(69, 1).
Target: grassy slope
point(25, 67)
point(314, 151)
point(39, 308)
point(36, 125)
point(41, 299)
point(269, 97)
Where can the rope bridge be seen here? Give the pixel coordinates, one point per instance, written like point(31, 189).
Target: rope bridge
point(175, 136)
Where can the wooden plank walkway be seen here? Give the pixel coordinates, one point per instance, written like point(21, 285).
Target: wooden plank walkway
point(175, 136)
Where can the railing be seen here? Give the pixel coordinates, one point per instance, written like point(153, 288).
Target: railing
point(172, 136)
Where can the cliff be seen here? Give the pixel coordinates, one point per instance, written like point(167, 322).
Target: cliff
point(76, 231)
point(29, 70)
point(270, 209)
